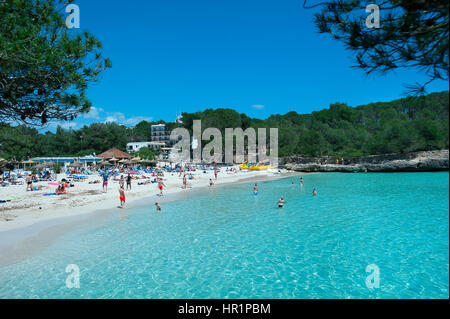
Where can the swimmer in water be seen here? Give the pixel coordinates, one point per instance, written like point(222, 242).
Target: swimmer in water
point(281, 202)
point(158, 207)
point(255, 189)
point(301, 181)
point(314, 192)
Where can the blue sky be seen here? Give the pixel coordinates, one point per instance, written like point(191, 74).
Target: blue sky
point(259, 57)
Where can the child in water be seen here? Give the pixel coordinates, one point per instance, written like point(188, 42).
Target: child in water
point(158, 208)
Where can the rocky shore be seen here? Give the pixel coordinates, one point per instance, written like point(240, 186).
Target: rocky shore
point(400, 162)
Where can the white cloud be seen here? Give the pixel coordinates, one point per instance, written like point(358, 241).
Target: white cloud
point(120, 118)
point(94, 113)
point(258, 106)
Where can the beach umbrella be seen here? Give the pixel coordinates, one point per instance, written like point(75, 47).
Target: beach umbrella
point(122, 161)
point(48, 164)
point(113, 159)
point(128, 162)
point(44, 165)
point(146, 161)
point(27, 162)
point(105, 163)
point(136, 159)
point(76, 164)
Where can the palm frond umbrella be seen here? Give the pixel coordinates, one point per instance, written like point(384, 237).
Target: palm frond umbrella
point(27, 162)
point(123, 161)
point(113, 159)
point(147, 161)
point(136, 159)
point(76, 164)
point(105, 163)
point(44, 165)
point(128, 162)
point(48, 164)
point(39, 166)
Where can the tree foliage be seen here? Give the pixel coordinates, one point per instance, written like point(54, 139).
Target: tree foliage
point(412, 34)
point(409, 124)
point(45, 68)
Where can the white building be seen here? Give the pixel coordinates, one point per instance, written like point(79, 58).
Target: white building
point(136, 146)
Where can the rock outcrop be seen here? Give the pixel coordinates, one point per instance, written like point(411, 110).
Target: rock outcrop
point(401, 162)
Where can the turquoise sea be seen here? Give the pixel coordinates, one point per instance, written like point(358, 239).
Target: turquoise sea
point(228, 243)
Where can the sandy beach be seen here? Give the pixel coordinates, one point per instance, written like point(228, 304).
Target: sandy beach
point(31, 207)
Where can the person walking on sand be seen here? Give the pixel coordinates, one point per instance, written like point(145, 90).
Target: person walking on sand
point(129, 181)
point(105, 182)
point(184, 181)
point(281, 202)
point(158, 207)
point(161, 185)
point(122, 196)
point(314, 192)
point(29, 180)
point(121, 182)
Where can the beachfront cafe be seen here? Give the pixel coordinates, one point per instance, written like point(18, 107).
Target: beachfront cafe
point(66, 161)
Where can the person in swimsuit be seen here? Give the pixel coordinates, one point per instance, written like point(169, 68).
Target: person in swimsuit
point(122, 196)
point(211, 183)
point(158, 208)
point(29, 182)
point(301, 181)
point(105, 181)
point(314, 192)
point(121, 181)
point(129, 181)
point(184, 181)
point(255, 189)
point(281, 202)
point(161, 185)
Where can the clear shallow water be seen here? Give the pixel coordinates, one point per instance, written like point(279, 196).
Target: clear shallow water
point(228, 243)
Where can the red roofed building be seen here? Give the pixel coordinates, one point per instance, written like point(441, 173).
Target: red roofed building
point(114, 152)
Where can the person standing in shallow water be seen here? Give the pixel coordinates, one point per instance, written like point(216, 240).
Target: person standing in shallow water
point(255, 189)
point(122, 196)
point(314, 192)
point(158, 207)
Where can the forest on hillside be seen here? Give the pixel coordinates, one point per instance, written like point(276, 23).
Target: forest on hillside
point(410, 124)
